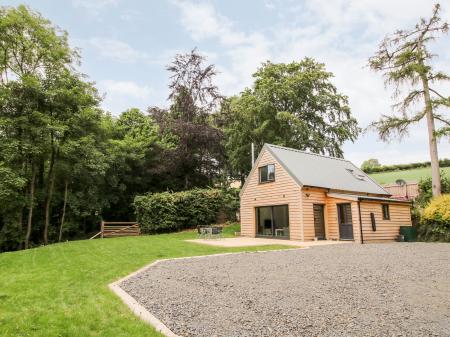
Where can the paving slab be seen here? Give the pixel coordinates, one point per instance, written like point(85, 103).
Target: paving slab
point(251, 242)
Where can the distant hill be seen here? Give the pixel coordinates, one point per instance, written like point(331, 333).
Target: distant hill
point(414, 174)
point(400, 167)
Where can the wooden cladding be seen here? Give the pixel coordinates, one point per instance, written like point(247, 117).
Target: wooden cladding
point(361, 220)
point(283, 191)
point(386, 229)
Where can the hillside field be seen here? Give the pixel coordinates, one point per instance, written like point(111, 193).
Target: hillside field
point(62, 289)
point(407, 175)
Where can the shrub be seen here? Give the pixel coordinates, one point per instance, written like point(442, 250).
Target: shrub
point(426, 192)
point(435, 222)
point(174, 211)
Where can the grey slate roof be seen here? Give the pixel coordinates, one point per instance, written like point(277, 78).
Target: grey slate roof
point(310, 169)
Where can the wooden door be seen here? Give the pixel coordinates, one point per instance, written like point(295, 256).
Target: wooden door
point(345, 221)
point(319, 221)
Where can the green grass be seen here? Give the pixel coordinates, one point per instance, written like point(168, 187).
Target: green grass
point(407, 175)
point(61, 289)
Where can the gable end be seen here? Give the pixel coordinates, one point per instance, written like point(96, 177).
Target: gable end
point(256, 166)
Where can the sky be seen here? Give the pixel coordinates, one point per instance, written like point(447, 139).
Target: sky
point(126, 44)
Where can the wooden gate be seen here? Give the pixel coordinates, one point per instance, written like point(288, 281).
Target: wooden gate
point(110, 229)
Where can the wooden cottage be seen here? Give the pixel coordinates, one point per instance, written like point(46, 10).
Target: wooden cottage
point(304, 196)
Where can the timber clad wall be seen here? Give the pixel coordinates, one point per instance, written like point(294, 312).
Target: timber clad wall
point(283, 191)
point(387, 230)
point(317, 196)
point(333, 218)
point(311, 197)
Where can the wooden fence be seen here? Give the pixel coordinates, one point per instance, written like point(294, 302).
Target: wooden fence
point(407, 192)
point(109, 229)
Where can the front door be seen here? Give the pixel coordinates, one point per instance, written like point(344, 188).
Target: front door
point(319, 221)
point(345, 221)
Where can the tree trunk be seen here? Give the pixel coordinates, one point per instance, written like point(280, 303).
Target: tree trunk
point(20, 228)
point(48, 202)
point(30, 205)
point(63, 216)
point(48, 199)
point(432, 142)
point(435, 173)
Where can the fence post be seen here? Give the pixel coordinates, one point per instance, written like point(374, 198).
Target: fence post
point(102, 228)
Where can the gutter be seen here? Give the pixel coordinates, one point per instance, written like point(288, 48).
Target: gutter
point(361, 198)
point(360, 221)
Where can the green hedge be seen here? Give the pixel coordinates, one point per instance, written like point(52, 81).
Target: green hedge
point(174, 211)
point(402, 167)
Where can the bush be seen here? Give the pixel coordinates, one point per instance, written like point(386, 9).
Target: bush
point(426, 192)
point(435, 222)
point(174, 211)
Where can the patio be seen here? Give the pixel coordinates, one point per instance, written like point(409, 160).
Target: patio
point(249, 242)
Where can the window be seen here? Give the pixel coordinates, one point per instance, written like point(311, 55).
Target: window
point(356, 175)
point(273, 221)
point(267, 173)
point(345, 213)
point(385, 208)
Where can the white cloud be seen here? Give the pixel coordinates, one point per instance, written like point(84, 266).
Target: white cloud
point(117, 50)
point(341, 33)
point(130, 16)
point(94, 7)
point(127, 88)
point(122, 52)
point(245, 51)
point(121, 95)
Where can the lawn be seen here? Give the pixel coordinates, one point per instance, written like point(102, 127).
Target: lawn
point(61, 289)
point(407, 175)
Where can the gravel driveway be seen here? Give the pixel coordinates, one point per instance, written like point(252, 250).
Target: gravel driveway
point(398, 289)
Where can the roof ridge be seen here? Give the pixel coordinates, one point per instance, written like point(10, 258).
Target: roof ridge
point(308, 153)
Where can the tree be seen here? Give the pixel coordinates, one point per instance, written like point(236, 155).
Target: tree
point(22, 126)
point(370, 164)
point(405, 61)
point(294, 105)
point(11, 199)
point(197, 157)
point(31, 50)
point(30, 45)
point(135, 150)
point(68, 102)
point(41, 101)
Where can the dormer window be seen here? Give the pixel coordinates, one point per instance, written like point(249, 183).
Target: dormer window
point(267, 173)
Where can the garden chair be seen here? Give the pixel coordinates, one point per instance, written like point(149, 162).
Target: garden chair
point(201, 232)
point(216, 232)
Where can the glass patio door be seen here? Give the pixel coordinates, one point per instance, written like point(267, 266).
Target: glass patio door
point(273, 221)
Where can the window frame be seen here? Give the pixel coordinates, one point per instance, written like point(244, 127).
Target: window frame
point(273, 222)
point(268, 174)
point(386, 214)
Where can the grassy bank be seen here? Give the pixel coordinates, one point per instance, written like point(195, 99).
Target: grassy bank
point(407, 175)
point(61, 289)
